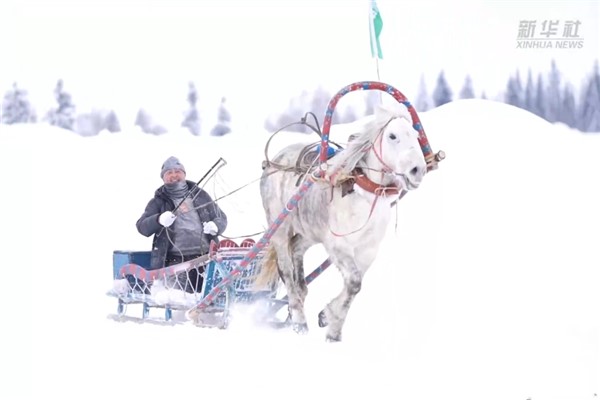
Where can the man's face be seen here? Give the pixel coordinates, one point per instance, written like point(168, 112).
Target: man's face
point(173, 175)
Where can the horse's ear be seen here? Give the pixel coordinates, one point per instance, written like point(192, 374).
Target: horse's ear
point(391, 110)
point(383, 112)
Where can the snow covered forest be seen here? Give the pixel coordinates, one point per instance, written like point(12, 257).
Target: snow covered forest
point(549, 96)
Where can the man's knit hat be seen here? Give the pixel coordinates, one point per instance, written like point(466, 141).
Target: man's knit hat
point(171, 163)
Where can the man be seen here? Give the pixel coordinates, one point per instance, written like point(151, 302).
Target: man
point(184, 233)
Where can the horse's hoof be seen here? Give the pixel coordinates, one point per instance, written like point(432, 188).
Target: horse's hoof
point(323, 319)
point(333, 339)
point(300, 328)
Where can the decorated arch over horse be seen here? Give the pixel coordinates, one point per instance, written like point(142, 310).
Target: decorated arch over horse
point(431, 159)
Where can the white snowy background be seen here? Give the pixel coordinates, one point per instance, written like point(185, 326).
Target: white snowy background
point(486, 286)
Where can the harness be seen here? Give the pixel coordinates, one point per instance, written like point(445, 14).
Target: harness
point(360, 179)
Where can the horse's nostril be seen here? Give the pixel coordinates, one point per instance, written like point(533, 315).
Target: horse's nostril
point(414, 171)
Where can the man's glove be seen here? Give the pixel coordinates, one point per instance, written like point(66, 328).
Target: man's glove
point(210, 228)
point(166, 219)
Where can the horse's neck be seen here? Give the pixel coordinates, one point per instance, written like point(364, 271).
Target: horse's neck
point(373, 168)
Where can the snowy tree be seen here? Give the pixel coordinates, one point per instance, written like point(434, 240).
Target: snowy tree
point(347, 115)
point(298, 107)
point(553, 94)
point(589, 110)
point(539, 105)
point(514, 91)
point(111, 122)
point(317, 103)
point(289, 119)
point(567, 110)
point(223, 126)
point(467, 90)
point(64, 115)
point(146, 123)
point(94, 122)
point(423, 100)
point(442, 93)
point(191, 118)
point(529, 100)
point(16, 107)
point(372, 99)
point(320, 101)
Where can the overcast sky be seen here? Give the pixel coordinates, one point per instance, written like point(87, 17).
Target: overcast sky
point(127, 54)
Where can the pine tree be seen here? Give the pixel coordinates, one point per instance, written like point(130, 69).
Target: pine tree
point(514, 91)
point(319, 103)
point(539, 107)
point(372, 99)
point(191, 118)
point(318, 106)
point(111, 122)
point(289, 119)
point(223, 126)
point(64, 115)
point(567, 110)
point(16, 107)
point(95, 121)
point(529, 100)
point(347, 115)
point(442, 93)
point(589, 111)
point(553, 94)
point(144, 120)
point(423, 101)
point(467, 90)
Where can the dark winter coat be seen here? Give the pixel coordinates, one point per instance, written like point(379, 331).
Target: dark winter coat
point(148, 223)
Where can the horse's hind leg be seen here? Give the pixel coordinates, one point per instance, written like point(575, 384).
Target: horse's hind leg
point(290, 260)
point(298, 247)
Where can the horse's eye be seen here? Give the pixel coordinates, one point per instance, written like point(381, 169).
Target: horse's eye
point(393, 136)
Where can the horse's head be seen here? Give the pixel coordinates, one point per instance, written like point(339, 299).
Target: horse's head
point(395, 147)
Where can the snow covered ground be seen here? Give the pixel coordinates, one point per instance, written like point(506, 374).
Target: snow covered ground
point(487, 286)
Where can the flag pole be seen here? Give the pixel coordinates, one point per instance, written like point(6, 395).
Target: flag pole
point(374, 46)
point(373, 39)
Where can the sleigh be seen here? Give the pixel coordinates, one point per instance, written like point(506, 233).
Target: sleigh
point(134, 283)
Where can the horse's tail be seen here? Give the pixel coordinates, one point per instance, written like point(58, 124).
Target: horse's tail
point(268, 275)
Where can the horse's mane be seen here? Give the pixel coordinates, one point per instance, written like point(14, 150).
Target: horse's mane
point(346, 160)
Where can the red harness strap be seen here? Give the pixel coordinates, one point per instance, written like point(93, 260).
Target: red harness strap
point(366, 184)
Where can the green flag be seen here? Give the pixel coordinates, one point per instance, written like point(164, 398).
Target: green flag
point(376, 25)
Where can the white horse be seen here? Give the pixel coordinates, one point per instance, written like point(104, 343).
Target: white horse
point(347, 211)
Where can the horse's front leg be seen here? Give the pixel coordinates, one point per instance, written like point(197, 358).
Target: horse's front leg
point(352, 267)
point(334, 314)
